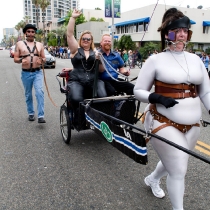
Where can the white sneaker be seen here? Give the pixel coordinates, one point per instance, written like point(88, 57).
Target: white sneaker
point(155, 186)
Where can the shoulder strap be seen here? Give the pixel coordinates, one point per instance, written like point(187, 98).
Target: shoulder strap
point(27, 47)
point(34, 47)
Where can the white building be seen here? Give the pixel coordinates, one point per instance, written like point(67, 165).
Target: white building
point(135, 23)
point(9, 32)
point(57, 9)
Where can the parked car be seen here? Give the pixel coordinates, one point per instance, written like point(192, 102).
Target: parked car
point(12, 51)
point(50, 60)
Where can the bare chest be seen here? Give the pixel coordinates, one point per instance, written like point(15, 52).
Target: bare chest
point(29, 49)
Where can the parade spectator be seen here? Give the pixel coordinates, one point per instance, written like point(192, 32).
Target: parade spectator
point(68, 52)
point(61, 52)
point(125, 57)
point(205, 59)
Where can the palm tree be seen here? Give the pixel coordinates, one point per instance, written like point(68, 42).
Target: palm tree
point(36, 4)
point(44, 4)
point(18, 27)
point(62, 32)
point(26, 18)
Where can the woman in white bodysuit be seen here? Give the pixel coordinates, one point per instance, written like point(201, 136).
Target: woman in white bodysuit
point(181, 82)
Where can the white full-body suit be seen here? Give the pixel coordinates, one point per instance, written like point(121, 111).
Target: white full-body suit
point(173, 69)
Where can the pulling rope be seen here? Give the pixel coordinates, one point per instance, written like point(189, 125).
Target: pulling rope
point(45, 81)
point(149, 21)
point(103, 61)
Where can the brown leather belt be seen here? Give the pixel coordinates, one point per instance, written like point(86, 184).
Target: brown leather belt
point(176, 91)
point(162, 119)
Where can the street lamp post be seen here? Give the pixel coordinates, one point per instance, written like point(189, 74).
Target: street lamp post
point(43, 20)
point(112, 25)
point(37, 18)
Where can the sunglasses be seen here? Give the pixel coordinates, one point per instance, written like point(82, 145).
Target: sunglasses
point(30, 31)
point(86, 39)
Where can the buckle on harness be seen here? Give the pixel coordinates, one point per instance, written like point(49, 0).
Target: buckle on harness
point(185, 130)
point(202, 123)
point(147, 137)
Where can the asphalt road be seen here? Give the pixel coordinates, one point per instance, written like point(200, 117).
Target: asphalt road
point(39, 171)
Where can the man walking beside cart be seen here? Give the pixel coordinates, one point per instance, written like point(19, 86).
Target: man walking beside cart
point(31, 55)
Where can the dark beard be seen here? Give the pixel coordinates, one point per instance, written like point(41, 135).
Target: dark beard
point(29, 39)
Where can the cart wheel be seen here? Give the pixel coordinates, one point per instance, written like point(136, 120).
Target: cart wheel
point(65, 124)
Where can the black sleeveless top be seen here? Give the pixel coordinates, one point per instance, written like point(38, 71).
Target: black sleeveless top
point(83, 70)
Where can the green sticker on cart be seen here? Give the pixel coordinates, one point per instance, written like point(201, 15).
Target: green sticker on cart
point(106, 131)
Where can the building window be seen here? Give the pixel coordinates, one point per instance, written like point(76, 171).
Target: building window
point(205, 29)
point(118, 30)
point(126, 29)
point(146, 26)
point(135, 28)
point(123, 29)
point(130, 29)
point(200, 47)
point(140, 27)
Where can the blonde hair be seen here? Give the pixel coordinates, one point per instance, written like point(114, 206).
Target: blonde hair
point(104, 36)
point(80, 39)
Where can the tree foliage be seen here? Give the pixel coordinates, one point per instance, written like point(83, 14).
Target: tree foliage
point(126, 43)
point(148, 48)
point(51, 39)
point(43, 5)
point(98, 19)
point(208, 51)
point(190, 46)
point(97, 8)
point(62, 33)
point(79, 20)
point(93, 19)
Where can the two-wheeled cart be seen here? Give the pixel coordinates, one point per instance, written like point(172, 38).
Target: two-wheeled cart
point(113, 118)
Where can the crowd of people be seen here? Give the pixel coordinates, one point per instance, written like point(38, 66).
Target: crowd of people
point(130, 57)
point(59, 51)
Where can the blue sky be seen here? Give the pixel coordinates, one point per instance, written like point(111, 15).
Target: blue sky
point(12, 10)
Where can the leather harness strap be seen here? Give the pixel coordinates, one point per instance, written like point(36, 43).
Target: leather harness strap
point(179, 95)
point(176, 91)
point(162, 119)
point(31, 52)
point(182, 86)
